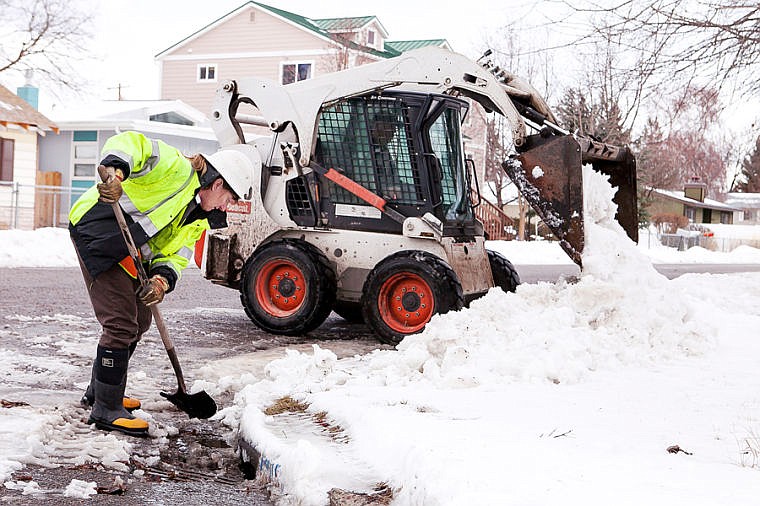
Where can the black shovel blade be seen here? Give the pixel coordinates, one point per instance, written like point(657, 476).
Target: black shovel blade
point(198, 405)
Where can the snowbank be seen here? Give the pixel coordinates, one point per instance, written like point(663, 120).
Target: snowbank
point(44, 247)
point(548, 395)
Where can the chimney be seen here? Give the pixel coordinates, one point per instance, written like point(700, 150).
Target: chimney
point(29, 92)
point(695, 189)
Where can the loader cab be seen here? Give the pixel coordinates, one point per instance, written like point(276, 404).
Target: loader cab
point(405, 147)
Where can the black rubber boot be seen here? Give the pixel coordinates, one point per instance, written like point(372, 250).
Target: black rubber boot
point(108, 411)
point(130, 403)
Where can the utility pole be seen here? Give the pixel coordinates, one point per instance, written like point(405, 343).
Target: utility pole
point(118, 87)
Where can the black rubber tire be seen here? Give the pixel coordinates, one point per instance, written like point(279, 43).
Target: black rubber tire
point(505, 275)
point(349, 311)
point(412, 269)
point(263, 301)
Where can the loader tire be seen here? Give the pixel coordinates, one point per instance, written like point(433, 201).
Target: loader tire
point(405, 290)
point(505, 275)
point(349, 311)
point(288, 287)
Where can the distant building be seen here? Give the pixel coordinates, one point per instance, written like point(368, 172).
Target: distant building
point(749, 203)
point(21, 128)
point(74, 154)
point(256, 40)
point(693, 203)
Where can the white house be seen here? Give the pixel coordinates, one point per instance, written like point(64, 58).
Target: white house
point(83, 129)
point(749, 203)
point(21, 128)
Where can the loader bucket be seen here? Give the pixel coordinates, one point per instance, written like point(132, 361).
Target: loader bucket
point(548, 174)
point(622, 172)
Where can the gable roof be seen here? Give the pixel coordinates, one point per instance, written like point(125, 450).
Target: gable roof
point(707, 204)
point(146, 116)
point(403, 46)
point(325, 28)
point(15, 112)
point(298, 20)
point(349, 24)
point(343, 24)
point(131, 109)
point(743, 200)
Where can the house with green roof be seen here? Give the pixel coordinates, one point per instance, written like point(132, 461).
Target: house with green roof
point(267, 42)
point(258, 40)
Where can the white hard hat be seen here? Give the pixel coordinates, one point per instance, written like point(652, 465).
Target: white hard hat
point(236, 170)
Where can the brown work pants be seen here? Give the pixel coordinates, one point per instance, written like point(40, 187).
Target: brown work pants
point(121, 314)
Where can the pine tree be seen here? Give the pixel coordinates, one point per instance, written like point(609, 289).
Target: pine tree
point(574, 112)
point(600, 120)
point(750, 174)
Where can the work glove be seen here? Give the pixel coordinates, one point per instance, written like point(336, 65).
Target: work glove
point(152, 292)
point(110, 189)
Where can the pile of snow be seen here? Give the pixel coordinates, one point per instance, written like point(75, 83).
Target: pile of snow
point(520, 399)
point(80, 489)
point(44, 247)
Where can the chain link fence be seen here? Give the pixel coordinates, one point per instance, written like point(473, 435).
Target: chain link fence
point(31, 206)
point(706, 239)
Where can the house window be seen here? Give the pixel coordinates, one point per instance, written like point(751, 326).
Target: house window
point(207, 73)
point(725, 218)
point(85, 154)
point(293, 72)
point(6, 159)
point(690, 213)
point(370, 38)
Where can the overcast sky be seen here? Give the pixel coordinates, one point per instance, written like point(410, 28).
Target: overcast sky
point(129, 33)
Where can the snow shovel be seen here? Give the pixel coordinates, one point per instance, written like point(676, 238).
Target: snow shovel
point(198, 405)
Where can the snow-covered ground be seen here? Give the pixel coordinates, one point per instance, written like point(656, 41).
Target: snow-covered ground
point(51, 247)
point(567, 393)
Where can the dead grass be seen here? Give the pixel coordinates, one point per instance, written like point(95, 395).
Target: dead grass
point(382, 495)
point(749, 449)
point(286, 404)
point(289, 405)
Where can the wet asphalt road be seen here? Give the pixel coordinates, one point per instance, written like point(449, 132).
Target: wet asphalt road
point(200, 465)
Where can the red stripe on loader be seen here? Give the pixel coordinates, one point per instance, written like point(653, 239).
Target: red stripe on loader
point(355, 188)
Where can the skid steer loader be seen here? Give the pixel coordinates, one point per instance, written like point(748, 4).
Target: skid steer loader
point(363, 202)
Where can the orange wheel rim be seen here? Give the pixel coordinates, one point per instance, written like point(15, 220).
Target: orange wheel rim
point(406, 303)
point(280, 288)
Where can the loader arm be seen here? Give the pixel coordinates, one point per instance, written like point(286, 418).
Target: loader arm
point(554, 190)
point(430, 69)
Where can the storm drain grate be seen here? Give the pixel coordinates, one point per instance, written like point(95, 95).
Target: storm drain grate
point(179, 474)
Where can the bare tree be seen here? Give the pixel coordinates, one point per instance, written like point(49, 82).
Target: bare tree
point(606, 101)
point(498, 148)
point(654, 166)
point(694, 145)
point(710, 39)
point(514, 52)
point(45, 36)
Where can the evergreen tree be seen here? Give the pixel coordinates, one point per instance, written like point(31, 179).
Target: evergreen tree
point(574, 112)
point(579, 112)
point(750, 174)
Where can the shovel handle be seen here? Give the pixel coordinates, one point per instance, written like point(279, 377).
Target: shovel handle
point(142, 277)
point(169, 346)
